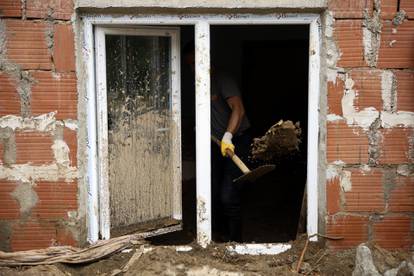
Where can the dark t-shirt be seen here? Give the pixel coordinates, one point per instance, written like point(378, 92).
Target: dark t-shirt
point(223, 87)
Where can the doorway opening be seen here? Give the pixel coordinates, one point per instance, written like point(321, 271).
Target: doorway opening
point(270, 65)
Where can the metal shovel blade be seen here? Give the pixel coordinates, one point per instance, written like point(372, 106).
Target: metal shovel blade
point(255, 174)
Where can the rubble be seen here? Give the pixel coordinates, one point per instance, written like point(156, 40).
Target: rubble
point(364, 264)
point(280, 141)
point(217, 259)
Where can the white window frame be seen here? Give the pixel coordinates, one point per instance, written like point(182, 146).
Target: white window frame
point(202, 46)
point(102, 117)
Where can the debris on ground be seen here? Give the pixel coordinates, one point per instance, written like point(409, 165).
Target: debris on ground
point(378, 261)
point(280, 141)
point(147, 259)
point(70, 254)
point(364, 264)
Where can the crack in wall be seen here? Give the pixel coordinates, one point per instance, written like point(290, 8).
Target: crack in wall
point(374, 139)
point(389, 178)
point(371, 31)
point(49, 35)
point(23, 8)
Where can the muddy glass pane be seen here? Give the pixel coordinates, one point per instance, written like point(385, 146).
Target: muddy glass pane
point(139, 118)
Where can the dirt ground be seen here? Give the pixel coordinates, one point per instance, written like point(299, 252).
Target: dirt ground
point(216, 260)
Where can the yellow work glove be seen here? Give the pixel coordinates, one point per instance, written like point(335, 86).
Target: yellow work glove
point(226, 143)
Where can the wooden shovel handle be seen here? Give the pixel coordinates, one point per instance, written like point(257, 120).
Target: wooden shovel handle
point(239, 163)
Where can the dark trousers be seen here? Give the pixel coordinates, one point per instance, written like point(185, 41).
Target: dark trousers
point(226, 195)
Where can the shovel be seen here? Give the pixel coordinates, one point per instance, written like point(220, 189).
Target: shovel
point(248, 175)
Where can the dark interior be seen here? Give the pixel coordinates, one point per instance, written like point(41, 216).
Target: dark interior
point(270, 64)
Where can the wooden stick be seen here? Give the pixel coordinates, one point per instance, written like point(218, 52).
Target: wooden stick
point(306, 246)
point(239, 163)
point(301, 255)
point(325, 236)
point(134, 259)
point(310, 271)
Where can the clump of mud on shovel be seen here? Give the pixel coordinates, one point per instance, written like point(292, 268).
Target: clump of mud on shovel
point(280, 141)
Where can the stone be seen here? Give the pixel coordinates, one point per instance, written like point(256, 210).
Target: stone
point(410, 267)
point(364, 265)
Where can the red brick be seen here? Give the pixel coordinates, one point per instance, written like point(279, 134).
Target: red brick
point(388, 8)
point(405, 90)
point(396, 49)
point(367, 192)
point(36, 235)
point(395, 146)
point(64, 237)
point(368, 88)
point(60, 9)
point(348, 36)
point(353, 229)
point(350, 8)
point(32, 235)
point(346, 143)
point(56, 199)
point(34, 148)
point(26, 44)
point(394, 232)
point(9, 98)
point(10, 8)
point(335, 94)
point(55, 92)
point(70, 137)
point(408, 7)
point(333, 196)
point(10, 208)
point(64, 48)
point(401, 198)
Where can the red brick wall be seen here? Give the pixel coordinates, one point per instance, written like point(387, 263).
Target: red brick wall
point(38, 95)
point(370, 176)
point(370, 151)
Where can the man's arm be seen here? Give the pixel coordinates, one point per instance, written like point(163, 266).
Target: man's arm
point(237, 112)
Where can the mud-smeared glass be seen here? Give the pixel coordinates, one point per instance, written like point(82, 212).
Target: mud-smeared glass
point(139, 124)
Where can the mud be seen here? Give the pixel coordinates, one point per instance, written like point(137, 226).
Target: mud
point(141, 132)
point(216, 260)
point(280, 141)
point(399, 18)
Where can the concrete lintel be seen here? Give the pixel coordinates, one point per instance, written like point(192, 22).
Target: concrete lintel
point(202, 4)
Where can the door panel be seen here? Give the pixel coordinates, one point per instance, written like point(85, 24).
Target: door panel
point(143, 157)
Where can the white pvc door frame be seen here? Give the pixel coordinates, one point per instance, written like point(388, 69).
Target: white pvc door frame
point(102, 118)
point(202, 24)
